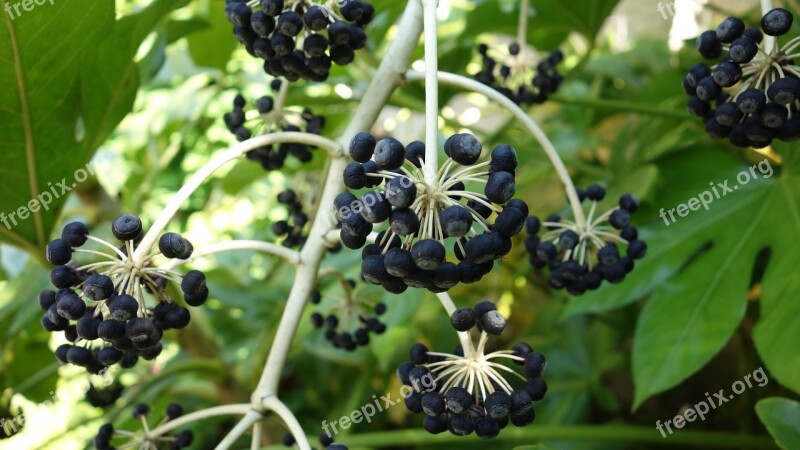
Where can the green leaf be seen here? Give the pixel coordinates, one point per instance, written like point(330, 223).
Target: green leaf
point(177, 29)
point(59, 109)
point(698, 271)
point(27, 359)
point(781, 416)
point(213, 46)
point(583, 16)
point(666, 254)
point(40, 107)
point(689, 319)
point(777, 333)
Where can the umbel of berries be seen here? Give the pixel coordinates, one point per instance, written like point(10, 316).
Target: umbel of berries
point(752, 95)
point(512, 71)
point(473, 389)
point(349, 320)
point(580, 256)
point(101, 305)
point(270, 118)
point(425, 218)
point(143, 438)
point(293, 228)
point(300, 38)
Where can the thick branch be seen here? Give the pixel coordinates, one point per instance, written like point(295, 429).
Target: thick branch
point(385, 80)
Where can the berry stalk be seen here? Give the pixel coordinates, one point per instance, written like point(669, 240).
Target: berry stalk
point(522, 28)
point(255, 444)
point(431, 93)
point(463, 336)
point(224, 410)
point(247, 421)
point(291, 256)
point(212, 166)
point(769, 41)
point(278, 407)
point(529, 123)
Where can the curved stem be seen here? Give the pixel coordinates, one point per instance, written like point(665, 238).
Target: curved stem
point(274, 404)
point(386, 78)
point(530, 124)
point(218, 161)
point(225, 410)
point(431, 93)
point(291, 256)
point(247, 421)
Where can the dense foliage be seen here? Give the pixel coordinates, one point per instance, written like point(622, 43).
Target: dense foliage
point(599, 317)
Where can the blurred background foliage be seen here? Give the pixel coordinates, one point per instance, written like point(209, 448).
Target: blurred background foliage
point(142, 95)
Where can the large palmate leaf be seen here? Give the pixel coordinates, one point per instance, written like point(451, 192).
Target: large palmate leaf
point(699, 268)
point(781, 416)
point(71, 77)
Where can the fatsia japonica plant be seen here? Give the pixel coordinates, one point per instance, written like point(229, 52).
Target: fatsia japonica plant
point(309, 218)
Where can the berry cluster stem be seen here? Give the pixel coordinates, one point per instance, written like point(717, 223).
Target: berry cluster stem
point(231, 154)
point(769, 41)
point(224, 410)
point(463, 336)
point(522, 28)
point(526, 120)
point(289, 255)
point(431, 93)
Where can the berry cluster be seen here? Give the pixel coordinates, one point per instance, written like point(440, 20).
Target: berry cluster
point(143, 439)
point(293, 228)
point(581, 256)
point(510, 71)
point(330, 32)
point(348, 320)
point(325, 439)
point(104, 396)
point(106, 299)
point(422, 214)
point(755, 88)
point(273, 119)
point(466, 391)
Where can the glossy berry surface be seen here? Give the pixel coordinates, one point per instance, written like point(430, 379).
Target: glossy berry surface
point(300, 39)
point(578, 258)
point(752, 96)
point(473, 390)
point(421, 222)
point(102, 306)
